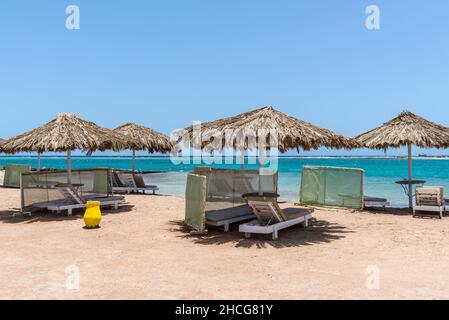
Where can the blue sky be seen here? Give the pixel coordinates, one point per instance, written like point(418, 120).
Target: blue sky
point(166, 63)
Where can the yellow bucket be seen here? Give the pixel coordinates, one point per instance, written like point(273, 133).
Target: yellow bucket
point(92, 216)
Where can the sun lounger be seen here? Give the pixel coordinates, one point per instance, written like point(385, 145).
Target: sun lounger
point(141, 186)
point(130, 183)
point(72, 200)
point(120, 187)
point(123, 183)
point(375, 202)
point(429, 199)
point(271, 218)
point(225, 217)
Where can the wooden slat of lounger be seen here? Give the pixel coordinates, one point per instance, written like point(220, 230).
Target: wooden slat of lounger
point(70, 195)
point(281, 214)
point(433, 192)
point(429, 199)
point(274, 207)
point(265, 211)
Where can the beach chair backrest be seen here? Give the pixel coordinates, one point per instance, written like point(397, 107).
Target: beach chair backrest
point(139, 181)
point(115, 180)
point(70, 194)
point(128, 180)
point(430, 196)
point(266, 212)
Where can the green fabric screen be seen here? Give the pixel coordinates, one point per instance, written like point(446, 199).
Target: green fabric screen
point(13, 173)
point(332, 186)
point(102, 182)
point(195, 215)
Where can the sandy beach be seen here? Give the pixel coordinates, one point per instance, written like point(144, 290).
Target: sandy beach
point(143, 251)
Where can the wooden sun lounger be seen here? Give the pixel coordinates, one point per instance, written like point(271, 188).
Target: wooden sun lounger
point(429, 199)
point(72, 201)
point(271, 218)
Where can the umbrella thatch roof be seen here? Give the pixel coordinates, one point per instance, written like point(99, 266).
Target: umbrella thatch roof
point(292, 133)
point(67, 132)
point(407, 128)
point(146, 138)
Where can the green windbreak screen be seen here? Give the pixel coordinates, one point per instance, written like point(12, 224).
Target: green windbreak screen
point(195, 202)
point(12, 174)
point(332, 186)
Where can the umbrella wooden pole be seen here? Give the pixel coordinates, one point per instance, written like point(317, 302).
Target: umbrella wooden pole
point(134, 160)
point(69, 166)
point(261, 160)
point(410, 174)
point(242, 159)
point(38, 162)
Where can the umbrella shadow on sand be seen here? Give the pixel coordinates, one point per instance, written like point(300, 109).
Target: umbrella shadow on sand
point(318, 231)
point(15, 216)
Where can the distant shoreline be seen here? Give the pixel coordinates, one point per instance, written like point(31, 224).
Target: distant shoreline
point(380, 171)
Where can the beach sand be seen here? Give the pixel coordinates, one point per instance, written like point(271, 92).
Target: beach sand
point(144, 252)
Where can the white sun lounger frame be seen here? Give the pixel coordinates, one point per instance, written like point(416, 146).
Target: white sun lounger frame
point(268, 210)
point(70, 207)
point(256, 227)
point(440, 210)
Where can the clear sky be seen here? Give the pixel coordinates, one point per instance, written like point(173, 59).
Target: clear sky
point(166, 63)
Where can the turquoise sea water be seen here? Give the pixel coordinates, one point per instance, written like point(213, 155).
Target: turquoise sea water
point(380, 173)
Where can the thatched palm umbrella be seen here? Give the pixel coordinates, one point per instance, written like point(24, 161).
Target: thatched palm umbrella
point(65, 133)
point(145, 139)
point(291, 133)
point(2, 141)
point(407, 129)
